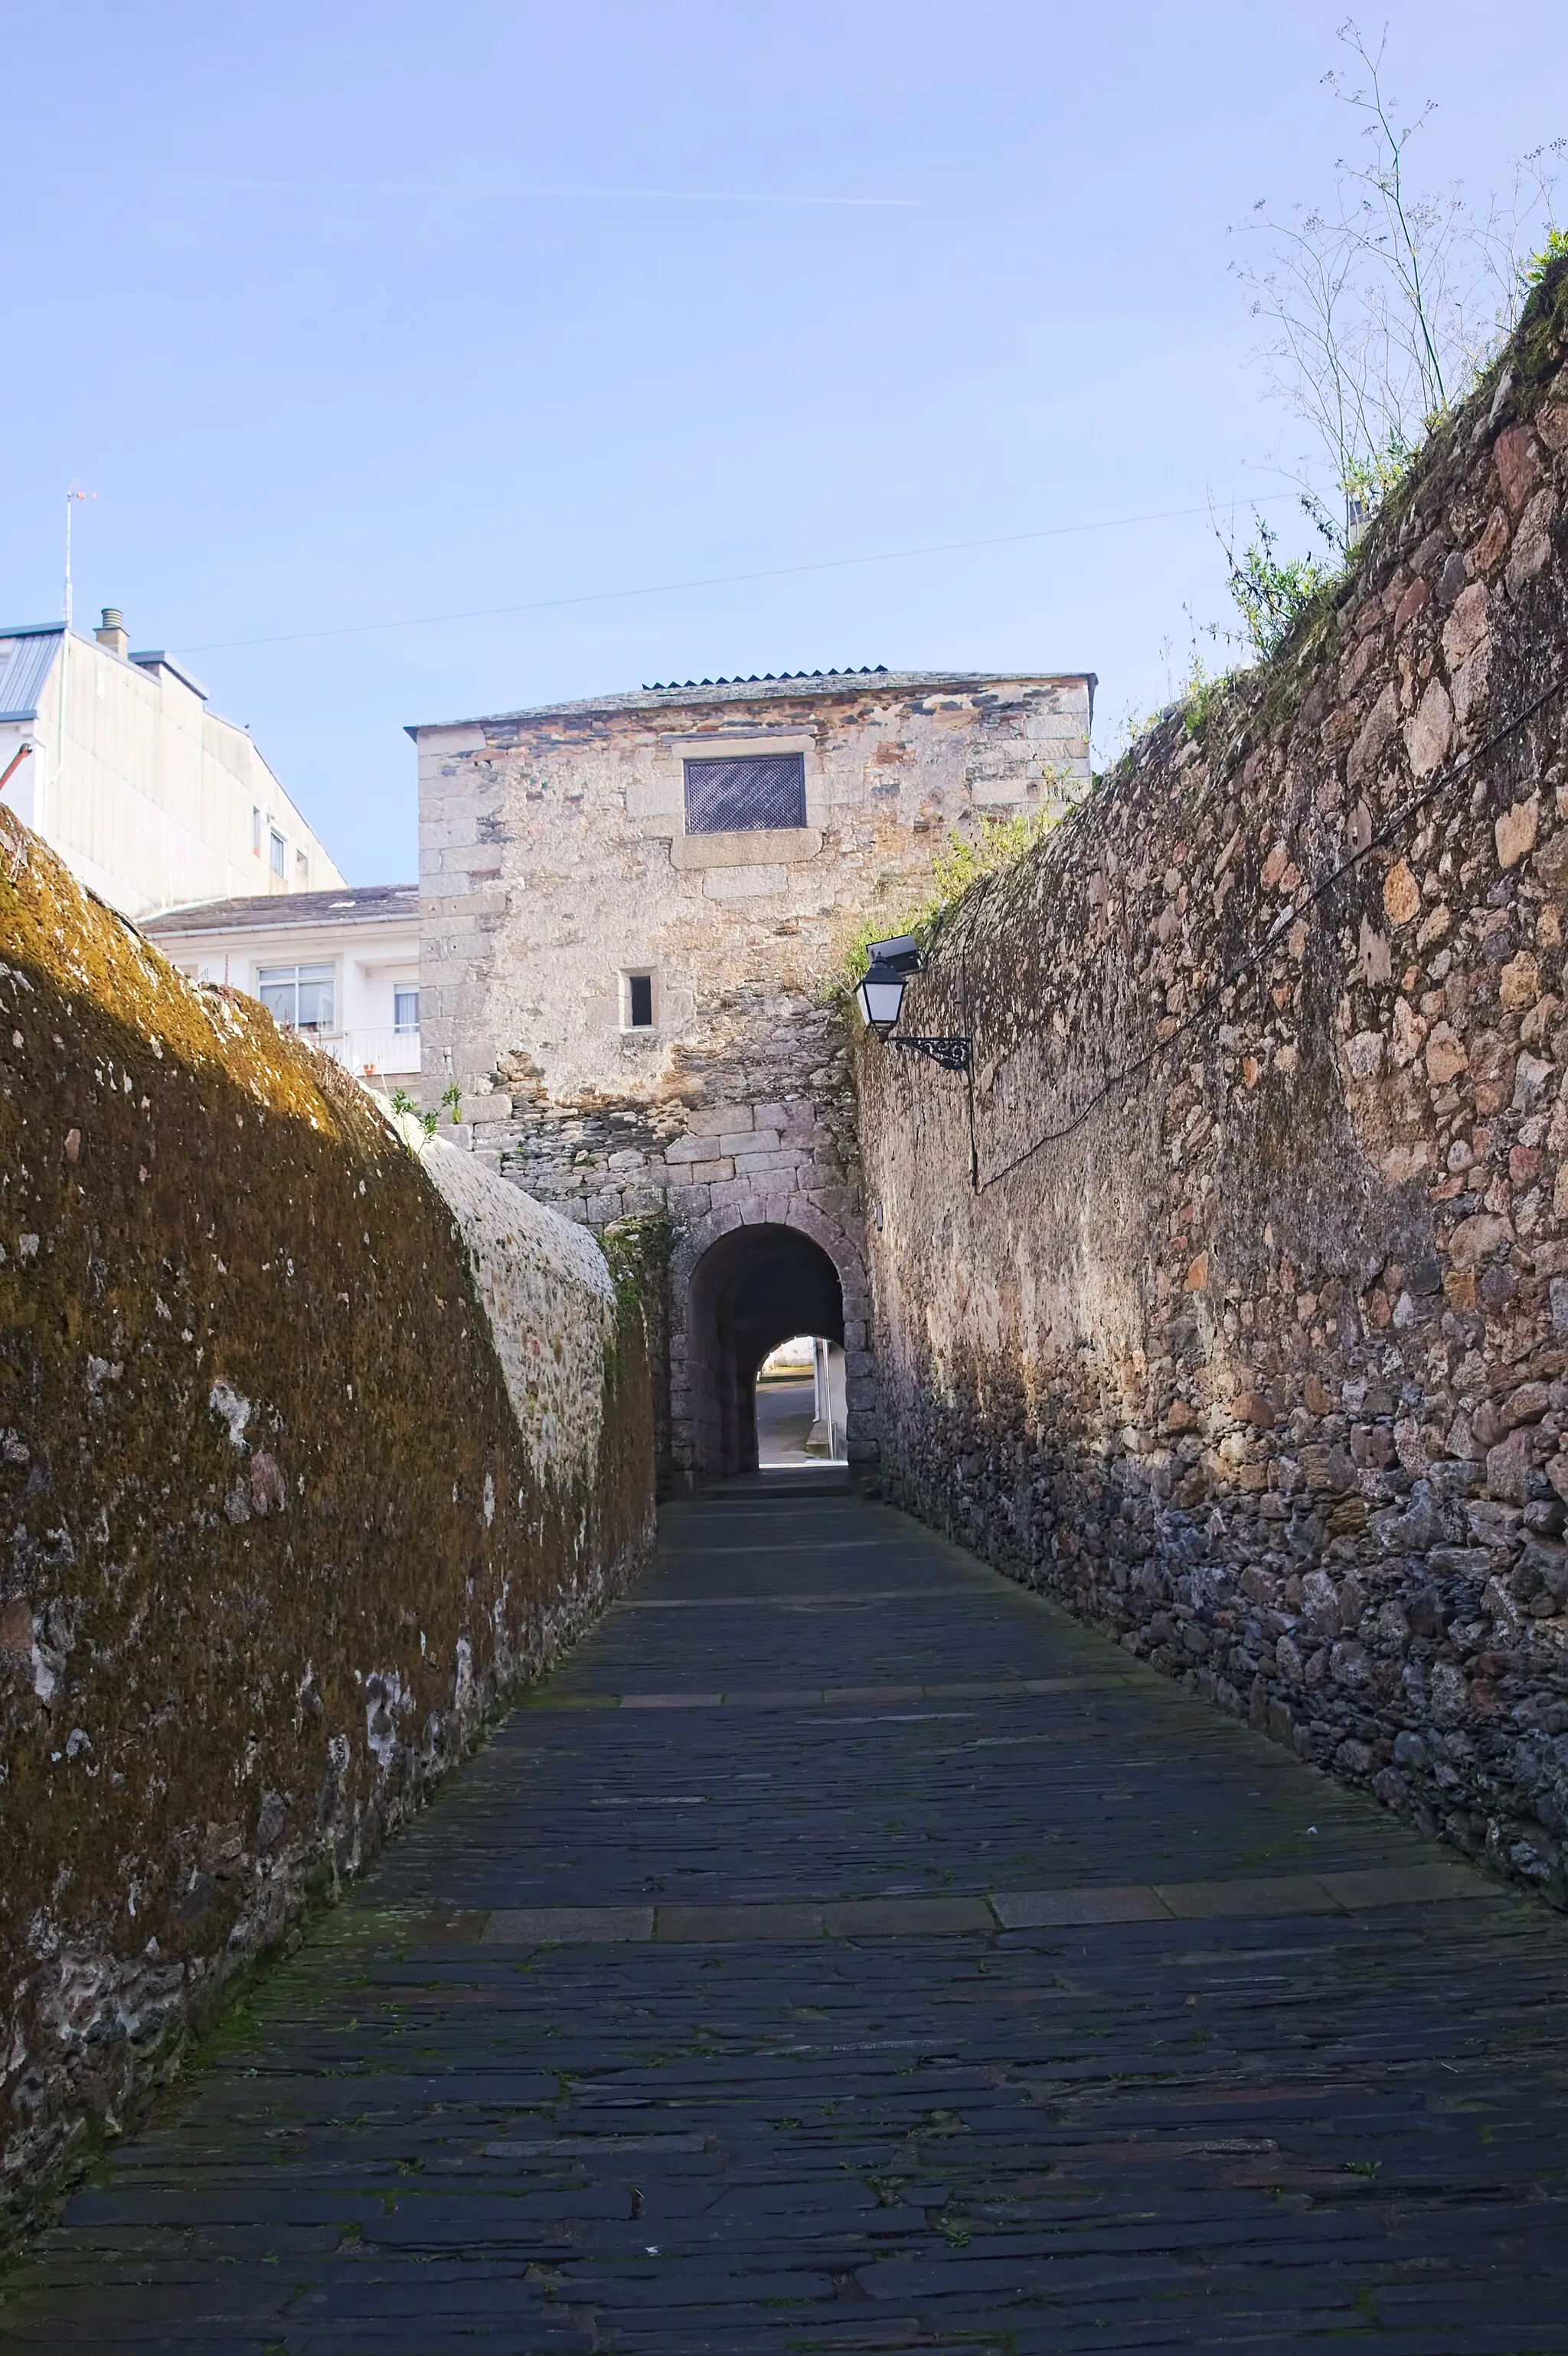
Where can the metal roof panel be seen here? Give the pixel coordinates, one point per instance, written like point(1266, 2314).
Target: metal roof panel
point(26, 657)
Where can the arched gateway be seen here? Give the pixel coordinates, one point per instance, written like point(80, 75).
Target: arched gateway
point(633, 915)
point(742, 1293)
point(751, 1290)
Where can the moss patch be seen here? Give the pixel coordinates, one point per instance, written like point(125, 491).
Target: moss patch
point(273, 1543)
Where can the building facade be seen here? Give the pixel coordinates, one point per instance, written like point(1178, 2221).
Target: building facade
point(340, 966)
point(151, 800)
point(634, 915)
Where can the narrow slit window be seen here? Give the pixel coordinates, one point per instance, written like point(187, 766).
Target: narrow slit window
point(279, 854)
point(639, 1002)
point(751, 793)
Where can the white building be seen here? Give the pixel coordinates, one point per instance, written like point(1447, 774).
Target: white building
point(813, 1370)
point(342, 966)
point(151, 800)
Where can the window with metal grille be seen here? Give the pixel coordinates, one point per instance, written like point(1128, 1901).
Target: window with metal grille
point(745, 793)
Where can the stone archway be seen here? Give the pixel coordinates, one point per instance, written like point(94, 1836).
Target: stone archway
point(739, 1287)
point(749, 1290)
point(710, 1426)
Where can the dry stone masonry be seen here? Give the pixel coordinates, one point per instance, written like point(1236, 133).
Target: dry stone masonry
point(572, 856)
point(311, 1449)
point(1253, 1341)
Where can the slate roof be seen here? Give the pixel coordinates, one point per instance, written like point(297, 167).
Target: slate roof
point(261, 911)
point(661, 696)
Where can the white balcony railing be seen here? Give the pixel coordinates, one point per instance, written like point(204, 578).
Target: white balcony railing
point(371, 1053)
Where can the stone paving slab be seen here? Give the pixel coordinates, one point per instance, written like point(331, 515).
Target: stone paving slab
point(1036, 1909)
point(848, 1601)
point(800, 1697)
point(999, 2015)
point(918, 1918)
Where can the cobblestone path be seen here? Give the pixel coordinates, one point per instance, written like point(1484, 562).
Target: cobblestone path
point(845, 1951)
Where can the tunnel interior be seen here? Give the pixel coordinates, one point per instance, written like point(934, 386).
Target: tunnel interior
point(751, 1290)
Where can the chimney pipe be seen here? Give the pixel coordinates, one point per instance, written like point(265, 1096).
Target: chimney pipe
point(111, 632)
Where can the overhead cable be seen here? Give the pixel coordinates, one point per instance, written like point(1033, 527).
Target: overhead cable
point(1254, 957)
point(715, 580)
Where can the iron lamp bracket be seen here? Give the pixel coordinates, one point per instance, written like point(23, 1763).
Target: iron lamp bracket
point(952, 1054)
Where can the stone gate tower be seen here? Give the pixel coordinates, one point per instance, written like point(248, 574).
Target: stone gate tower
point(633, 914)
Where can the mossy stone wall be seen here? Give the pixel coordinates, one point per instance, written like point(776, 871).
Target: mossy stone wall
point(275, 1535)
point(1251, 1341)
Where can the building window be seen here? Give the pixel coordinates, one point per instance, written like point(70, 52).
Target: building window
point(405, 1011)
point(256, 833)
point(279, 854)
point(300, 997)
point(302, 872)
point(637, 1001)
point(751, 791)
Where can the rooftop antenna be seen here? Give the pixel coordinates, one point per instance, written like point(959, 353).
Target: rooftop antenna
point(70, 499)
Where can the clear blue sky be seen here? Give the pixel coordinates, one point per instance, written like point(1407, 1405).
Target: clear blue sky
point(354, 313)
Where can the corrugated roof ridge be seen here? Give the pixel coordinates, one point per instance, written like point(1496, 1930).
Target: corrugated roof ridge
point(761, 679)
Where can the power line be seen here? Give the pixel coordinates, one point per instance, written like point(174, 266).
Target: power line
point(720, 580)
point(459, 190)
point(1251, 959)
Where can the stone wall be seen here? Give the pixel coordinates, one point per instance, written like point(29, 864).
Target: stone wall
point(555, 860)
point(1251, 1338)
point(305, 1462)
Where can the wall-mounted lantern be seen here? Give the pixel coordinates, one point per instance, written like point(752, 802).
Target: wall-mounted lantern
point(882, 997)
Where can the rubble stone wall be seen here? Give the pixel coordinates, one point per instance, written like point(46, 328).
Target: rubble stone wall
point(1251, 1341)
point(555, 860)
point(311, 1449)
